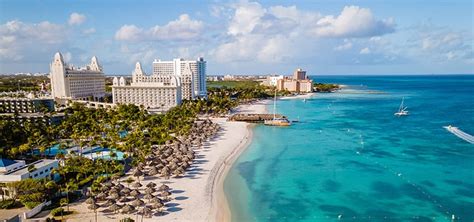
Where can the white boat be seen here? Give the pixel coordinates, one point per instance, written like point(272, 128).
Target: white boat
point(276, 121)
point(402, 110)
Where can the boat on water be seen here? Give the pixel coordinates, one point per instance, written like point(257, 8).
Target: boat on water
point(402, 110)
point(276, 121)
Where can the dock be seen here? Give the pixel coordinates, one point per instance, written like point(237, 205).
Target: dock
point(253, 118)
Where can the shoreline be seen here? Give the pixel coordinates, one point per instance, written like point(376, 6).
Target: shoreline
point(220, 209)
point(199, 195)
point(302, 96)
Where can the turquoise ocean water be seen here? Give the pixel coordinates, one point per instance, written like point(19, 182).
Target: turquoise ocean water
point(350, 159)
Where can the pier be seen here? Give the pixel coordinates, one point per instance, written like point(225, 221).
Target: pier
point(253, 118)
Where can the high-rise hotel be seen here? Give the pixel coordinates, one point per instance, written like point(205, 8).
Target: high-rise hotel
point(69, 82)
point(192, 74)
point(170, 83)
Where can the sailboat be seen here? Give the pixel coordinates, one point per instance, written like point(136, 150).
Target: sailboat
point(402, 110)
point(276, 121)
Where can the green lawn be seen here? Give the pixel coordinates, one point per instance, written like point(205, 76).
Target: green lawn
point(233, 84)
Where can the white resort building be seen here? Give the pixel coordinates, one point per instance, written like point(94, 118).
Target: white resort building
point(154, 92)
point(192, 74)
point(69, 82)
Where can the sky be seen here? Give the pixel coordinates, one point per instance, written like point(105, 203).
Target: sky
point(243, 37)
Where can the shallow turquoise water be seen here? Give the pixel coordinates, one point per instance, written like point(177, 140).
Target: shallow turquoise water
point(350, 159)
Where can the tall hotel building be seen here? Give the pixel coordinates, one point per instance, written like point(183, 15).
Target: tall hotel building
point(192, 74)
point(154, 92)
point(69, 82)
point(300, 83)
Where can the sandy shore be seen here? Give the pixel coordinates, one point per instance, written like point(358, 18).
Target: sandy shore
point(199, 196)
point(303, 96)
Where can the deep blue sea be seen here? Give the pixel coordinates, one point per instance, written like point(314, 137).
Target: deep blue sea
point(350, 159)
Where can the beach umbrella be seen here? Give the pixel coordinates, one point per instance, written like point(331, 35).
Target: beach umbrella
point(93, 206)
point(149, 190)
point(165, 194)
point(124, 199)
point(101, 196)
point(114, 190)
point(119, 186)
point(136, 184)
point(148, 196)
point(137, 203)
point(108, 203)
point(157, 205)
point(114, 207)
point(127, 209)
point(135, 193)
point(156, 200)
point(90, 200)
point(104, 189)
point(146, 211)
point(164, 187)
point(151, 184)
point(125, 190)
point(153, 171)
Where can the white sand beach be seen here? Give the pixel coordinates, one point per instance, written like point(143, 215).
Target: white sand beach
point(302, 96)
point(199, 195)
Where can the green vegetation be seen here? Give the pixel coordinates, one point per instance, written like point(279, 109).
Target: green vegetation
point(86, 127)
point(9, 204)
point(57, 211)
point(25, 83)
point(31, 192)
point(232, 84)
point(325, 87)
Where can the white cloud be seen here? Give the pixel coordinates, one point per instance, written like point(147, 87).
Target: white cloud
point(89, 31)
point(353, 22)
point(67, 56)
point(365, 51)
point(129, 33)
point(443, 44)
point(345, 46)
point(184, 28)
point(76, 19)
point(246, 17)
point(256, 33)
point(19, 39)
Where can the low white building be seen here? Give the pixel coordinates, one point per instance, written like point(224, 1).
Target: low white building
point(17, 170)
point(155, 92)
point(272, 80)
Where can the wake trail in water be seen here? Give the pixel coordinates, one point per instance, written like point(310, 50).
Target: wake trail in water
point(461, 134)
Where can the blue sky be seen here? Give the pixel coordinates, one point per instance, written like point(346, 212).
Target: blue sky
point(243, 37)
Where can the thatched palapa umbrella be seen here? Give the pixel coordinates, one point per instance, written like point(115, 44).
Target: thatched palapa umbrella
point(136, 185)
point(90, 200)
point(135, 193)
point(108, 203)
point(115, 207)
point(151, 184)
point(156, 200)
point(93, 206)
point(137, 203)
point(113, 196)
point(127, 209)
point(150, 190)
point(164, 187)
point(148, 196)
